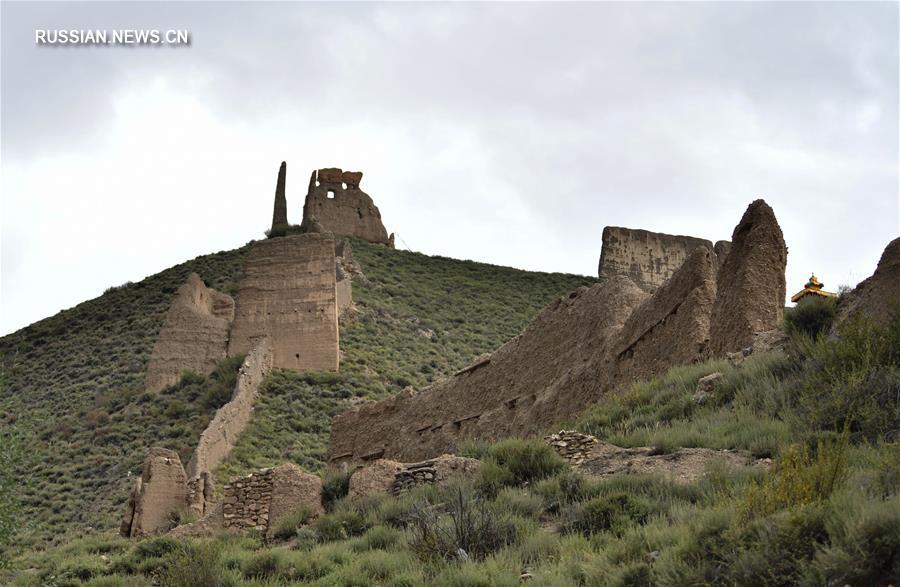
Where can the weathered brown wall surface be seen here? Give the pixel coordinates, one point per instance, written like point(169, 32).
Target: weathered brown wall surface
point(349, 212)
point(557, 365)
point(672, 327)
point(750, 283)
point(159, 492)
point(578, 348)
point(193, 337)
point(876, 297)
point(230, 420)
point(647, 258)
point(288, 294)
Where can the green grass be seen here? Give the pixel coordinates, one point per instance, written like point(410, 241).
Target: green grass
point(74, 382)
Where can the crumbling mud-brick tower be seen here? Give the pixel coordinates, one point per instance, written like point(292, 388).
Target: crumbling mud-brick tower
point(335, 200)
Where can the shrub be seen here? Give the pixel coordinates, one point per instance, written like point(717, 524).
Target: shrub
point(863, 547)
point(341, 525)
point(266, 564)
point(379, 538)
point(155, 547)
point(852, 380)
point(800, 478)
point(335, 486)
point(193, 565)
point(615, 513)
point(811, 317)
point(287, 526)
point(519, 462)
point(470, 529)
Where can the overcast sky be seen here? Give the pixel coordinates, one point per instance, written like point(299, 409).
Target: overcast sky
point(509, 133)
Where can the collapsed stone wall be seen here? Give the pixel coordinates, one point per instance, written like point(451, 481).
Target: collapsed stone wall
point(750, 286)
point(578, 348)
point(336, 201)
point(217, 440)
point(194, 335)
point(288, 294)
point(262, 499)
point(647, 258)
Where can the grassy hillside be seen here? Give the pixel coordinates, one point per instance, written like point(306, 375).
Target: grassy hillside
point(827, 513)
point(73, 382)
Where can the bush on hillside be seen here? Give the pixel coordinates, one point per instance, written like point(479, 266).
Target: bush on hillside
point(469, 530)
point(811, 317)
point(516, 461)
point(852, 380)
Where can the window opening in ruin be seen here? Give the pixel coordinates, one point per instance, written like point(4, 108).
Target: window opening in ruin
point(344, 186)
point(359, 212)
point(330, 194)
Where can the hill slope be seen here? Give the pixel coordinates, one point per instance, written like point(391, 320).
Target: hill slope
point(75, 381)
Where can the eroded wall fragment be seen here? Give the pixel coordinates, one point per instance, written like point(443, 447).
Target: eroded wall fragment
point(336, 201)
point(287, 293)
point(647, 258)
point(194, 335)
point(671, 327)
point(750, 285)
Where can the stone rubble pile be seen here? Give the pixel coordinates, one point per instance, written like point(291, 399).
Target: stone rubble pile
point(413, 474)
point(246, 501)
point(571, 445)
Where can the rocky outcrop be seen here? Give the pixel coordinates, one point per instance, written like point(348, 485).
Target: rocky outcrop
point(375, 478)
point(751, 284)
point(336, 201)
point(649, 259)
point(158, 494)
point(877, 297)
point(194, 335)
point(671, 327)
point(557, 366)
point(287, 293)
point(230, 420)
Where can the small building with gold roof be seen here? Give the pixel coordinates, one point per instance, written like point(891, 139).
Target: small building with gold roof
point(812, 290)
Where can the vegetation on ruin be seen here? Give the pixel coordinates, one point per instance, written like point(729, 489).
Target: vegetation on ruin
point(78, 377)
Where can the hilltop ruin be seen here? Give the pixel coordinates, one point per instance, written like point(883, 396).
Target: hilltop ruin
point(341, 207)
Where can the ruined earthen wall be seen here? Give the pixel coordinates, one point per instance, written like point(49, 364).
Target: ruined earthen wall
point(279, 212)
point(288, 294)
point(750, 284)
point(876, 297)
point(344, 293)
point(647, 258)
point(193, 337)
point(157, 494)
point(672, 327)
point(230, 420)
point(556, 366)
point(335, 200)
